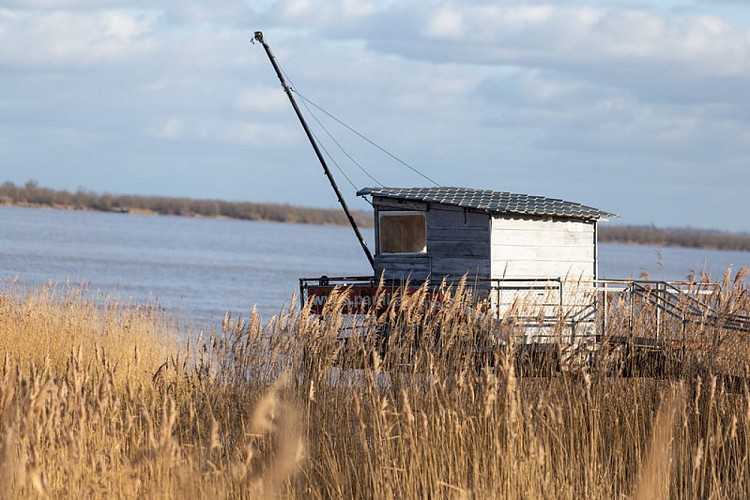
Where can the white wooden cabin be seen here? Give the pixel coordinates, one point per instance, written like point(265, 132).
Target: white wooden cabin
point(514, 247)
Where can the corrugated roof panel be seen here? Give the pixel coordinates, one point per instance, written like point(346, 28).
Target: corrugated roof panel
point(491, 201)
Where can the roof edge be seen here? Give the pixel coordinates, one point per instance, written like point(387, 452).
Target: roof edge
point(431, 195)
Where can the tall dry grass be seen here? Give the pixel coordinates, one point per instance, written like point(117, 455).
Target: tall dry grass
point(96, 401)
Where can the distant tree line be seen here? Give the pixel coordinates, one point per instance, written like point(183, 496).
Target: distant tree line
point(31, 194)
point(675, 237)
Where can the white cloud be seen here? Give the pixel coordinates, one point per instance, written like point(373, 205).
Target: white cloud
point(169, 129)
point(536, 34)
point(357, 8)
point(261, 99)
point(297, 8)
point(445, 23)
point(251, 133)
point(156, 85)
point(258, 133)
point(122, 26)
point(195, 13)
point(59, 4)
point(332, 13)
point(61, 38)
point(215, 130)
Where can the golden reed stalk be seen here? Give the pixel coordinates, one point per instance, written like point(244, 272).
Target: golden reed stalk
point(105, 400)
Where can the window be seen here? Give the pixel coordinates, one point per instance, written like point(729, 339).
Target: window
point(402, 232)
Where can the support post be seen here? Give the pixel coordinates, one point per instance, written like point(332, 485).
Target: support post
point(605, 301)
point(661, 292)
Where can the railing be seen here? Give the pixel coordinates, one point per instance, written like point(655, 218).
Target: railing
point(686, 301)
point(547, 308)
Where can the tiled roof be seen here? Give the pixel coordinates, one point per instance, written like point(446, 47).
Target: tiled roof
point(491, 201)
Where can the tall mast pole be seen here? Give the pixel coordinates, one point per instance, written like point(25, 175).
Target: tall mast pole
point(311, 138)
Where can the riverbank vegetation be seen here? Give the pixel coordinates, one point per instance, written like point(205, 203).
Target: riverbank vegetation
point(675, 237)
point(98, 401)
point(31, 194)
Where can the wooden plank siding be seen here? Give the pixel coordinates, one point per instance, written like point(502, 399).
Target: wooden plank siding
point(458, 243)
point(525, 247)
point(402, 267)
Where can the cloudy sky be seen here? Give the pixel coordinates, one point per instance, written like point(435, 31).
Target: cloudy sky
point(637, 107)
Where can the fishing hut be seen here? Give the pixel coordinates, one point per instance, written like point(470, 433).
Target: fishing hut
point(525, 253)
point(516, 248)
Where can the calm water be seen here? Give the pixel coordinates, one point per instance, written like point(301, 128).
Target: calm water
point(201, 268)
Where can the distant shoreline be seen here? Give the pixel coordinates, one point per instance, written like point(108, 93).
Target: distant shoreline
point(708, 239)
point(31, 195)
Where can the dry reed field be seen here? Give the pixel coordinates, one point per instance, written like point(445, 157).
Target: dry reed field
point(105, 400)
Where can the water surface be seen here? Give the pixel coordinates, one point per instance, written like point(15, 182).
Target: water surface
point(202, 268)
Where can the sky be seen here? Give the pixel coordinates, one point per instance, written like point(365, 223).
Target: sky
point(641, 108)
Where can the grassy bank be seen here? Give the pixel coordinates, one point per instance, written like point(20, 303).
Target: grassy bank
point(675, 237)
point(31, 194)
point(99, 401)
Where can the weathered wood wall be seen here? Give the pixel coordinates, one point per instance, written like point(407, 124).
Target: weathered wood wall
point(458, 243)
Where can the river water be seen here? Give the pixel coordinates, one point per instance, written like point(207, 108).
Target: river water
point(199, 269)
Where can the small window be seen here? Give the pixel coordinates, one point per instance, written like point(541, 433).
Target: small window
point(402, 232)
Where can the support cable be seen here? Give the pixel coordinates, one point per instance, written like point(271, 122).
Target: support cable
point(361, 136)
point(335, 163)
point(340, 147)
point(309, 111)
point(307, 101)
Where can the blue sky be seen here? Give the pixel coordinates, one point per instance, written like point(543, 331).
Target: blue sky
point(637, 107)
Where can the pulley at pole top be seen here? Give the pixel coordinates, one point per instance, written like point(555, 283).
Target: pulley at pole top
point(258, 36)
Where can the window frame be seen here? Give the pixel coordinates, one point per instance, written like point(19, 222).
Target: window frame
point(401, 213)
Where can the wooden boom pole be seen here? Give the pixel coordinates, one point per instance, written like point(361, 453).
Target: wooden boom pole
point(259, 37)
